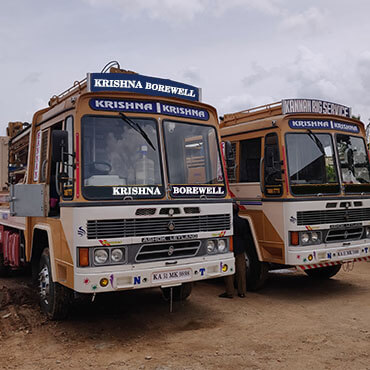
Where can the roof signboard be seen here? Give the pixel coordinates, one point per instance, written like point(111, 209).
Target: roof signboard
point(314, 106)
point(135, 83)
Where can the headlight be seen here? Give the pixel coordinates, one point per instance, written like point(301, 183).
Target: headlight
point(100, 256)
point(314, 237)
point(368, 231)
point(221, 243)
point(210, 246)
point(305, 238)
point(117, 255)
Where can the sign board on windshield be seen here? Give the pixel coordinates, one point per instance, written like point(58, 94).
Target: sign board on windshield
point(314, 106)
point(138, 106)
point(136, 83)
point(318, 124)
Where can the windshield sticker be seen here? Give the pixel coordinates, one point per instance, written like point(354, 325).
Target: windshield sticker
point(314, 106)
point(136, 83)
point(123, 105)
point(323, 125)
point(180, 111)
point(182, 190)
point(135, 106)
point(136, 190)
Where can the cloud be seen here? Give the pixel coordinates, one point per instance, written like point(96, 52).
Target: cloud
point(312, 75)
point(237, 103)
point(268, 7)
point(32, 78)
point(259, 73)
point(309, 21)
point(180, 11)
point(363, 66)
point(168, 10)
point(192, 74)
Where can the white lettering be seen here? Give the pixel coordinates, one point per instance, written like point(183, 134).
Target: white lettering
point(195, 190)
point(97, 82)
point(117, 191)
point(99, 104)
point(136, 190)
point(148, 106)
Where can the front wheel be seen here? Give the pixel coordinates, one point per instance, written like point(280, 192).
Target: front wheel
point(323, 272)
point(55, 299)
point(179, 293)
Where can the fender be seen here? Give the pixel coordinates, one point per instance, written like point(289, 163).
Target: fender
point(46, 228)
point(254, 235)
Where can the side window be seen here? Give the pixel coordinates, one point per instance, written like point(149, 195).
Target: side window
point(67, 191)
point(231, 165)
point(250, 157)
point(272, 166)
point(44, 155)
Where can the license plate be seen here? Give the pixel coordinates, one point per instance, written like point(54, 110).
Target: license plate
point(175, 275)
point(348, 252)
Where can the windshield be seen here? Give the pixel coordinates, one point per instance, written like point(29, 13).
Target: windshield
point(193, 158)
point(311, 163)
point(354, 163)
point(117, 160)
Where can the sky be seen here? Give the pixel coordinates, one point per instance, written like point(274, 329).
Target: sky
point(242, 53)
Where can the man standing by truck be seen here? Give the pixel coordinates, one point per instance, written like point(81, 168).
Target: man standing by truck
point(239, 243)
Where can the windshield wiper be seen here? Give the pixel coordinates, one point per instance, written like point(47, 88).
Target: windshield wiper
point(315, 139)
point(137, 128)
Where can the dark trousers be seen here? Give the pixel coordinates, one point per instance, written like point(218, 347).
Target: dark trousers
point(240, 276)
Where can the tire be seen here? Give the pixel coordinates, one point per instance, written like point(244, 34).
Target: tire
point(323, 272)
point(257, 271)
point(179, 293)
point(4, 270)
point(55, 299)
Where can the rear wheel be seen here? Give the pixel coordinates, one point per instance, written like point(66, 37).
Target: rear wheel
point(55, 299)
point(179, 293)
point(257, 271)
point(323, 272)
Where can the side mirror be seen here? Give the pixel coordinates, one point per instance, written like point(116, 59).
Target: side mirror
point(59, 145)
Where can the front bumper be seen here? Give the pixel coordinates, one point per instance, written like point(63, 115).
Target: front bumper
point(145, 276)
point(334, 254)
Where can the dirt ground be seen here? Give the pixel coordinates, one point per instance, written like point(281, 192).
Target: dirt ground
point(293, 323)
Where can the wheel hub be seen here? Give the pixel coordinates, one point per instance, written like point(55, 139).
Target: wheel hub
point(44, 284)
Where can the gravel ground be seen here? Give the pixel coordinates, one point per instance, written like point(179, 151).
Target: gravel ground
point(293, 323)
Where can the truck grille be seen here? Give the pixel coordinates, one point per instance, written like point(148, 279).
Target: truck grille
point(122, 228)
point(155, 252)
point(333, 217)
point(344, 234)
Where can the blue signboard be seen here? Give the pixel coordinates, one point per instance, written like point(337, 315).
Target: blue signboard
point(136, 83)
point(139, 106)
point(317, 124)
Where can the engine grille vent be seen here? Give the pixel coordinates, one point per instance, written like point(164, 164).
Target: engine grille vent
point(344, 234)
point(155, 252)
point(192, 210)
point(333, 217)
point(145, 211)
point(121, 228)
